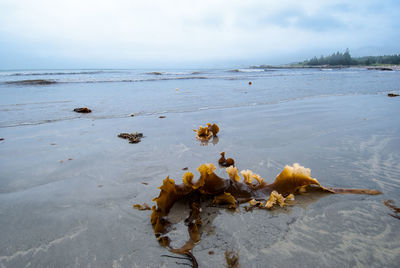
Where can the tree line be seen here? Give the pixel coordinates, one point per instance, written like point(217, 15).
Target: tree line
point(346, 59)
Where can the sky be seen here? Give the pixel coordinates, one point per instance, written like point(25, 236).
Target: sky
point(180, 33)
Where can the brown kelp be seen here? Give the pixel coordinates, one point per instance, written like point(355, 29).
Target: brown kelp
point(232, 259)
point(229, 192)
point(145, 206)
point(132, 137)
point(205, 133)
point(396, 210)
point(225, 162)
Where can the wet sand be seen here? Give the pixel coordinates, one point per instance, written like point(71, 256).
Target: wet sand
point(56, 212)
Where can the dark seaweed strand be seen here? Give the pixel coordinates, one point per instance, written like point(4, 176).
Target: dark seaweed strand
point(182, 263)
point(190, 258)
point(176, 257)
point(390, 204)
point(395, 216)
point(194, 261)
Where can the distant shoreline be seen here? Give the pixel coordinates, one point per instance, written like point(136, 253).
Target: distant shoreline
point(295, 66)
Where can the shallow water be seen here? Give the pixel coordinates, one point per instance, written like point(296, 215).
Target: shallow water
point(78, 213)
point(174, 91)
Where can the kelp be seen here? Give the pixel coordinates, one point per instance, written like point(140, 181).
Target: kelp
point(145, 206)
point(396, 210)
point(132, 137)
point(225, 162)
point(225, 198)
point(205, 133)
point(232, 259)
point(230, 192)
point(275, 199)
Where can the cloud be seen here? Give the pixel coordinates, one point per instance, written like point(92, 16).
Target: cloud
point(176, 30)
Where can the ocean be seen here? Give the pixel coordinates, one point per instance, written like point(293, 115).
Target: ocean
point(119, 93)
point(68, 183)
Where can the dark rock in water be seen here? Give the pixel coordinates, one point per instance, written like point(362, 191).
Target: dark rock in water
point(393, 95)
point(155, 73)
point(84, 110)
point(132, 137)
point(33, 82)
point(380, 68)
point(162, 116)
point(1, 139)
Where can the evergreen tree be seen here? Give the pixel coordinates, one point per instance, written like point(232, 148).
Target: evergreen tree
point(345, 59)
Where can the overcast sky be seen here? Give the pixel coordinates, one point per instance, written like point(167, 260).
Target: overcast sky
point(146, 33)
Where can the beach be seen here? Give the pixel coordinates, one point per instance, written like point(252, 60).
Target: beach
point(68, 183)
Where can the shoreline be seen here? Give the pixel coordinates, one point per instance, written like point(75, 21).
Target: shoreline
point(367, 67)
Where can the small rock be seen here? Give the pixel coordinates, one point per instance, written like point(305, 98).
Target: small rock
point(84, 110)
point(380, 68)
point(162, 116)
point(392, 95)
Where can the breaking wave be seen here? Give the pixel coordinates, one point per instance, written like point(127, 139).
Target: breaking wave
point(246, 70)
point(37, 82)
point(26, 73)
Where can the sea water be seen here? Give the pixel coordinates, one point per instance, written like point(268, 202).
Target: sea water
point(119, 93)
